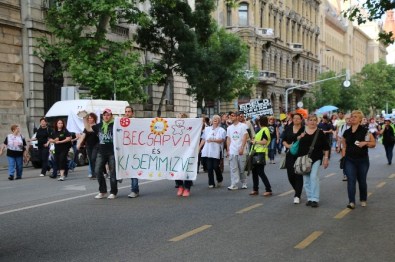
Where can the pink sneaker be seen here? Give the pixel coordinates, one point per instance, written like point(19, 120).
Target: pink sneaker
point(180, 191)
point(186, 193)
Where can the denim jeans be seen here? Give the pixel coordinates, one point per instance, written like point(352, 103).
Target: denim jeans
point(272, 149)
point(312, 183)
point(213, 165)
point(15, 163)
point(134, 185)
point(357, 170)
point(259, 172)
point(101, 161)
point(389, 152)
point(92, 154)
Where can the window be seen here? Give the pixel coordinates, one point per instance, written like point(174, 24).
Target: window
point(228, 15)
point(243, 14)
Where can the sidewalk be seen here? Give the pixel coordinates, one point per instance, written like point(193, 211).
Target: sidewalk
point(3, 161)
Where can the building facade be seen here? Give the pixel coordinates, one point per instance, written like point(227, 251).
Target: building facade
point(12, 100)
point(346, 45)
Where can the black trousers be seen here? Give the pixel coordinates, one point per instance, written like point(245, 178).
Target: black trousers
point(213, 165)
point(295, 180)
point(259, 172)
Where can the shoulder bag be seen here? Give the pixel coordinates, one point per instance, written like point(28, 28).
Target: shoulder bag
point(303, 164)
point(254, 159)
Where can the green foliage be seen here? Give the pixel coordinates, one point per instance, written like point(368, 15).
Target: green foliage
point(81, 44)
point(370, 10)
point(214, 66)
point(376, 85)
point(332, 92)
point(168, 33)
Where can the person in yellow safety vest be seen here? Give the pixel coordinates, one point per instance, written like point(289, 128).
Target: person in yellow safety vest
point(260, 145)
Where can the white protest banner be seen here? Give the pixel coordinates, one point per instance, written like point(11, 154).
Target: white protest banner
point(262, 107)
point(157, 148)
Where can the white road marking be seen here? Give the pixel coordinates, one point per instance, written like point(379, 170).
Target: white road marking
point(63, 200)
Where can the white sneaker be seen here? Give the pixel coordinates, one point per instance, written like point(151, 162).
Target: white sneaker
point(42, 175)
point(232, 187)
point(296, 200)
point(210, 186)
point(100, 195)
point(133, 195)
point(61, 178)
point(112, 196)
point(244, 186)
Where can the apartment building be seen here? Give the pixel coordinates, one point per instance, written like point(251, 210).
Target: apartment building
point(282, 37)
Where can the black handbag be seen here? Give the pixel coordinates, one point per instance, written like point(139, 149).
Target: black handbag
point(259, 159)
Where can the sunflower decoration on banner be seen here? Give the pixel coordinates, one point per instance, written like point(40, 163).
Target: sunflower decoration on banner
point(159, 126)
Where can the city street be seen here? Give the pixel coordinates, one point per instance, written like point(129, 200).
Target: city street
point(43, 219)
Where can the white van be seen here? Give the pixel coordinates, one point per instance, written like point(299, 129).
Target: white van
point(68, 110)
point(63, 108)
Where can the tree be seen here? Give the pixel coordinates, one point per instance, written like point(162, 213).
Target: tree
point(375, 82)
point(214, 63)
point(81, 43)
point(168, 30)
point(371, 10)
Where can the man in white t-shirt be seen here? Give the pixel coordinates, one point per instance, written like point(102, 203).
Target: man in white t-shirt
point(236, 141)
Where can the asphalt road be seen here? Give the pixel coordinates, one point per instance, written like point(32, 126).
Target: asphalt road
point(46, 220)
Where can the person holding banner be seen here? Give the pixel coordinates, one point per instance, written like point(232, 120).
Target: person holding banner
point(212, 140)
point(104, 130)
point(134, 182)
point(184, 186)
point(237, 136)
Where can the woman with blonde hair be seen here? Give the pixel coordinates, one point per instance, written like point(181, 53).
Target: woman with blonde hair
point(16, 151)
point(356, 141)
point(313, 139)
point(212, 140)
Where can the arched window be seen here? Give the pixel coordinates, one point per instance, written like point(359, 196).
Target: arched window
point(243, 14)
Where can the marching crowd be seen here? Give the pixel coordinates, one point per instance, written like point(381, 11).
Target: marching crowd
point(248, 145)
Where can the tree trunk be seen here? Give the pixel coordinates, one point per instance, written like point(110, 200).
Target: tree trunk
point(169, 84)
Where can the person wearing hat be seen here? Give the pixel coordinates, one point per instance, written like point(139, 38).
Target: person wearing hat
point(388, 133)
point(105, 155)
point(43, 133)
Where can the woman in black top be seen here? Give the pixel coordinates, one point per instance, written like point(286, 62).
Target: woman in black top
point(356, 141)
point(91, 141)
point(291, 134)
point(320, 154)
point(61, 138)
point(388, 139)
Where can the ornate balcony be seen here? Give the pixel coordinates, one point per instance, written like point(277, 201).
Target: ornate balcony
point(296, 47)
point(267, 77)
